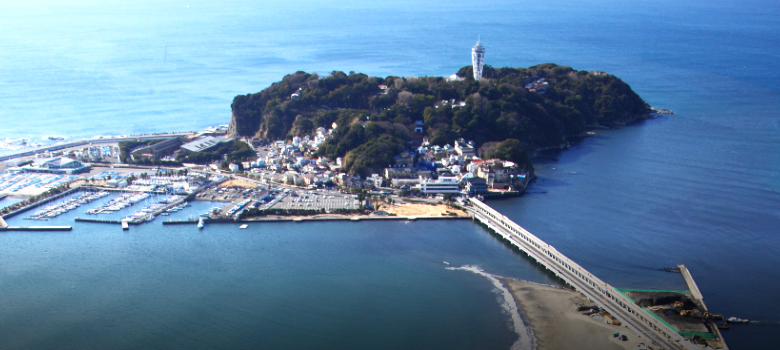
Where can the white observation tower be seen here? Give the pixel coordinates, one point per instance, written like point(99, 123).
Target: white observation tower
point(478, 59)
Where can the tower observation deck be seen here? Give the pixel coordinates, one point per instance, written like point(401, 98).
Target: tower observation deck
point(478, 59)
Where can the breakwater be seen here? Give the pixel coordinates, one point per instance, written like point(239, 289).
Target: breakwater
point(41, 202)
point(317, 218)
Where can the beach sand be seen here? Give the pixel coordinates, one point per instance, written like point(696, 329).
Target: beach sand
point(415, 209)
point(237, 183)
point(552, 314)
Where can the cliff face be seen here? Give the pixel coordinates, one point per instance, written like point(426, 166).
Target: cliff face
point(232, 127)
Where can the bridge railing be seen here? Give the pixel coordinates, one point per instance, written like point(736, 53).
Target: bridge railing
point(583, 275)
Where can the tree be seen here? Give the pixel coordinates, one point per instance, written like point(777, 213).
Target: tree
point(405, 98)
point(512, 150)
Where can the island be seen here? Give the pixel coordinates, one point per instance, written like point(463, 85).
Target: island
point(509, 114)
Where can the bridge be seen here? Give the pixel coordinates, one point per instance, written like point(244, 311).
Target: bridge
point(639, 320)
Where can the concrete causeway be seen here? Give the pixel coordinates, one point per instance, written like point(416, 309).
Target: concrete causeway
point(639, 320)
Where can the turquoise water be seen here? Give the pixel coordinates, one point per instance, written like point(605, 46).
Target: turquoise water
point(698, 188)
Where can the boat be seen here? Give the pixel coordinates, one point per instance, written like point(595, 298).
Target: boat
point(243, 226)
point(200, 223)
point(56, 138)
point(150, 218)
point(738, 320)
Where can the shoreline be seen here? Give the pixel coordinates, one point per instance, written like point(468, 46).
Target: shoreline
point(557, 325)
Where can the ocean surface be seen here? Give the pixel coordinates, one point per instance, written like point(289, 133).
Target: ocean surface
point(700, 187)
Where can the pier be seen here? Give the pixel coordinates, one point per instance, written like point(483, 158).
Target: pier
point(691, 283)
point(4, 227)
point(696, 294)
point(641, 321)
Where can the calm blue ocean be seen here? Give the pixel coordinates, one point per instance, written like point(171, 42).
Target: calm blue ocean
point(700, 187)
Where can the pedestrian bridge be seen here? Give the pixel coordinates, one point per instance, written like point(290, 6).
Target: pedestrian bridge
point(641, 321)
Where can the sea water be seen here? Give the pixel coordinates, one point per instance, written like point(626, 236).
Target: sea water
point(699, 187)
point(346, 285)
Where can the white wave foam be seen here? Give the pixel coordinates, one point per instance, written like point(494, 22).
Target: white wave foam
point(526, 339)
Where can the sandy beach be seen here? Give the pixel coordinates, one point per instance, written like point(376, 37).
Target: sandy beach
point(556, 324)
point(419, 209)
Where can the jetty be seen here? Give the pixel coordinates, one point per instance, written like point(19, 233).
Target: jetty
point(4, 227)
point(100, 221)
point(639, 320)
point(696, 294)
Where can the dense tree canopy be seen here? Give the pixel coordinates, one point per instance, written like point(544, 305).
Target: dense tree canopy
point(374, 124)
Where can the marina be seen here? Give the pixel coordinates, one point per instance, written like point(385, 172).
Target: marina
point(166, 205)
point(69, 204)
point(120, 202)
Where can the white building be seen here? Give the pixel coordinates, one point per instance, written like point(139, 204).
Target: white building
point(444, 184)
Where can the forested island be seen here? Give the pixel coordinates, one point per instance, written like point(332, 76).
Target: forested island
point(510, 113)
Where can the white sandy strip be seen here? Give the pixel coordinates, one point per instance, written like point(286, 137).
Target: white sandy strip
point(526, 339)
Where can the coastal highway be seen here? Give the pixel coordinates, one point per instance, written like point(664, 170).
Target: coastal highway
point(605, 296)
point(81, 142)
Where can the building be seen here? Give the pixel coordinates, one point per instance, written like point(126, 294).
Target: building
point(500, 174)
point(478, 59)
point(202, 144)
point(475, 186)
point(465, 149)
point(399, 173)
point(56, 165)
point(375, 180)
point(418, 127)
point(157, 150)
point(444, 184)
point(117, 183)
point(404, 159)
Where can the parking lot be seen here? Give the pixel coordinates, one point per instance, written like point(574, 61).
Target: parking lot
point(315, 200)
